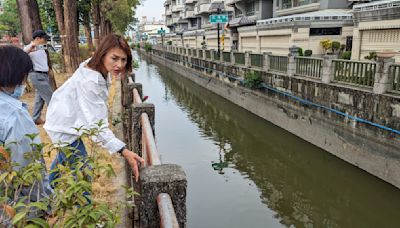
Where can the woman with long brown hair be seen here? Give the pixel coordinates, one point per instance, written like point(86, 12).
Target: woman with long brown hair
point(81, 103)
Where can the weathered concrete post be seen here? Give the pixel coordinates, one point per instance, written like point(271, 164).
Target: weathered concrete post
point(291, 68)
point(166, 178)
point(382, 82)
point(266, 63)
point(328, 69)
point(247, 62)
point(137, 110)
point(232, 58)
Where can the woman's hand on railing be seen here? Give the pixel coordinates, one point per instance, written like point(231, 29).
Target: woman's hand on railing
point(133, 160)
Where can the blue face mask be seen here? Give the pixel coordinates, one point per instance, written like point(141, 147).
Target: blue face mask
point(18, 91)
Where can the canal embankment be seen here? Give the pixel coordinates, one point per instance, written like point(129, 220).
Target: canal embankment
point(356, 124)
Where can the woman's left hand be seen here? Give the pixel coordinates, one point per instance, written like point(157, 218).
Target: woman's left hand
point(133, 160)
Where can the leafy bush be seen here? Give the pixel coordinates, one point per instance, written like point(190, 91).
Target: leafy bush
point(371, 56)
point(84, 52)
point(138, 45)
point(300, 51)
point(346, 55)
point(308, 52)
point(326, 44)
point(56, 59)
point(335, 46)
point(148, 47)
point(252, 79)
point(70, 204)
point(169, 42)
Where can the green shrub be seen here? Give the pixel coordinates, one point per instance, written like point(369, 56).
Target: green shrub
point(138, 45)
point(308, 52)
point(346, 55)
point(148, 47)
point(169, 42)
point(371, 56)
point(335, 46)
point(84, 52)
point(253, 80)
point(300, 51)
point(56, 59)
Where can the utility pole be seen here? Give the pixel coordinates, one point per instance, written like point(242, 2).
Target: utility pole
point(219, 54)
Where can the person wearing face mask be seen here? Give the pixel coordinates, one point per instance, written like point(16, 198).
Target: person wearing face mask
point(39, 77)
point(81, 102)
point(15, 121)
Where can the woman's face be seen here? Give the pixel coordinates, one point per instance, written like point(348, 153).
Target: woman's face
point(115, 61)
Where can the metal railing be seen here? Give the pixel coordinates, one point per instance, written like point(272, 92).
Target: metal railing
point(208, 54)
point(278, 63)
point(394, 75)
point(216, 55)
point(239, 58)
point(355, 72)
point(309, 67)
point(200, 52)
point(256, 60)
point(226, 57)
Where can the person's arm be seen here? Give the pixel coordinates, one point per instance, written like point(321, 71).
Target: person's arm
point(96, 110)
point(29, 48)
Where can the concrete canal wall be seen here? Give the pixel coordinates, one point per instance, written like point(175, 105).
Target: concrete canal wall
point(354, 123)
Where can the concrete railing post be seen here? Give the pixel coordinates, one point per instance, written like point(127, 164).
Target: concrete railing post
point(166, 178)
point(266, 64)
point(291, 68)
point(137, 110)
point(327, 69)
point(247, 62)
point(382, 82)
point(232, 57)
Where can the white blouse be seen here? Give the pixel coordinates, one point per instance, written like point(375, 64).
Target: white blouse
point(81, 102)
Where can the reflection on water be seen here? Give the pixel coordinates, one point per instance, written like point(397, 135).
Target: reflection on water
point(299, 184)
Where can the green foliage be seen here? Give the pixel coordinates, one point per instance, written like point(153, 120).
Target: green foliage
point(335, 46)
point(371, 56)
point(56, 59)
point(300, 51)
point(48, 16)
point(252, 79)
point(326, 44)
point(68, 204)
point(346, 55)
point(138, 45)
point(169, 42)
point(84, 52)
point(148, 47)
point(308, 52)
point(135, 65)
point(120, 13)
point(9, 19)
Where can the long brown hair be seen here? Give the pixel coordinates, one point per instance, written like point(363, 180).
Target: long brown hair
point(108, 42)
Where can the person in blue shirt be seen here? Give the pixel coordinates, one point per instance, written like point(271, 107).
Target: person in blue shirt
point(15, 121)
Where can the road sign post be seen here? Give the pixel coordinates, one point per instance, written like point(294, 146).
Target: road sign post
point(218, 18)
point(162, 33)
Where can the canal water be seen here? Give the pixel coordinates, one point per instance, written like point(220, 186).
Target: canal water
point(246, 172)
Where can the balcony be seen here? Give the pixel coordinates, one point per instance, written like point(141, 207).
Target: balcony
point(177, 8)
point(190, 2)
point(168, 12)
point(190, 14)
point(202, 8)
point(288, 10)
point(167, 2)
point(175, 20)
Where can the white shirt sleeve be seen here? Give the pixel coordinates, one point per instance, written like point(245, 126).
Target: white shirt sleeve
point(94, 107)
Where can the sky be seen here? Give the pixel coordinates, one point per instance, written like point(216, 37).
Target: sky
point(150, 8)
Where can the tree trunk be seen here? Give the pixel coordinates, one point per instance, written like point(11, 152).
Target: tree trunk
point(96, 22)
point(35, 15)
point(71, 54)
point(26, 23)
point(88, 33)
point(58, 9)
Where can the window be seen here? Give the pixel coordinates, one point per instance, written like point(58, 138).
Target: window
point(250, 8)
point(287, 4)
point(325, 31)
point(193, 22)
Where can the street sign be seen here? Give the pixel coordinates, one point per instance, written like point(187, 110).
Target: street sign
point(219, 18)
point(161, 31)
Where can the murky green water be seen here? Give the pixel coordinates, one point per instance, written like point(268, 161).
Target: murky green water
point(245, 172)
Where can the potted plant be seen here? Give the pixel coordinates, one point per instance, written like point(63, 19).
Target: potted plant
point(386, 53)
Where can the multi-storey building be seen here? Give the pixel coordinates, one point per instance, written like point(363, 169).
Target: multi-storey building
point(376, 28)
point(275, 25)
point(148, 30)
